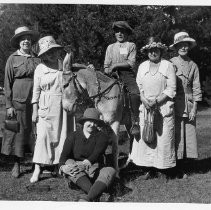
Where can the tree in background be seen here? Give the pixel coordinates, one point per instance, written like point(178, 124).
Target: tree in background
point(88, 28)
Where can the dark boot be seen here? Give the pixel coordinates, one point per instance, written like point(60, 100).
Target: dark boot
point(135, 103)
point(181, 169)
point(96, 190)
point(84, 183)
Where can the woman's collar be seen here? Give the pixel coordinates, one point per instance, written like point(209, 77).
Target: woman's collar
point(26, 55)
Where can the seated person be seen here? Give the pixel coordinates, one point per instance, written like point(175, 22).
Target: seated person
point(82, 158)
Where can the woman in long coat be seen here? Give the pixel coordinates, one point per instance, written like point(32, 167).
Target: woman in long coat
point(187, 97)
point(18, 85)
point(51, 119)
point(156, 80)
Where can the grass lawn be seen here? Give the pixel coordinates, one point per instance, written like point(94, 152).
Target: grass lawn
point(195, 189)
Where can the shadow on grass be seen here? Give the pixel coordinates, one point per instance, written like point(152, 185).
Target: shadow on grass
point(6, 163)
point(203, 106)
point(198, 166)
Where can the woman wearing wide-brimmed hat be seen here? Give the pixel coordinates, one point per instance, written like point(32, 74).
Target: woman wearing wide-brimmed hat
point(156, 80)
point(187, 97)
point(121, 58)
point(82, 159)
point(18, 85)
point(48, 113)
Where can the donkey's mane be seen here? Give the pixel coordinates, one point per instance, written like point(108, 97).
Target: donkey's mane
point(90, 75)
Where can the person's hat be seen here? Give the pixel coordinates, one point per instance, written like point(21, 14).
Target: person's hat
point(123, 25)
point(91, 114)
point(183, 37)
point(153, 42)
point(46, 43)
point(23, 30)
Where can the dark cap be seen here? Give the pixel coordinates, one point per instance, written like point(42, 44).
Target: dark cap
point(91, 114)
point(123, 25)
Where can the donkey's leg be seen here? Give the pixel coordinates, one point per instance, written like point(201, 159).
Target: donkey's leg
point(115, 138)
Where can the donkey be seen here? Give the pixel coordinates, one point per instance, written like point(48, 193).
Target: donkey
point(89, 86)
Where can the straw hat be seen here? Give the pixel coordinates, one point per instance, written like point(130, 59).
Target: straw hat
point(123, 25)
point(46, 43)
point(91, 114)
point(153, 42)
point(183, 37)
point(23, 30)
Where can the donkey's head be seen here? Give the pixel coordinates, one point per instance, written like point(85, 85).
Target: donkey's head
point(70, 94)
point(73, 86)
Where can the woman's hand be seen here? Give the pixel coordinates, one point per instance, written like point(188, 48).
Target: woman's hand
point(152, 103)
point(35, 117)
point(87, 164)
point(113, 67)
point(11, 112)
point(91, 66)
point(193, 111)
point(192, 115)
point(110, 69)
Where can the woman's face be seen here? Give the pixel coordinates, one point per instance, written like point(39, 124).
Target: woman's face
point(25, 42)
point(121, 35)
point(90, 126)
point(52, 55)
point(154, 54)
point(183, 48)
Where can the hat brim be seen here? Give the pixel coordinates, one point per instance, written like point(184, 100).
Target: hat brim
point(128, 30)
point(189, 40)
point(42, 52)
point(15, 39)
point(144, 51)
point(99, 122)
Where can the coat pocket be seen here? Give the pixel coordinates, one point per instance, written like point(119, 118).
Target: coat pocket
point(43, 106)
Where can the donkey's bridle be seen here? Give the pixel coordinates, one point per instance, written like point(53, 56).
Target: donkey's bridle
point(82, 95)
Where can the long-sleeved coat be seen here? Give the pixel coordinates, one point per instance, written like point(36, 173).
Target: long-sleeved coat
point(52, 124)
point(18, 83)
point(188, 91)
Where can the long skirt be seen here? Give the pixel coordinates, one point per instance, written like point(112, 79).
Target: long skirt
point(17, 143)
point(161, 153)
point(186, 142)
point(46, 150)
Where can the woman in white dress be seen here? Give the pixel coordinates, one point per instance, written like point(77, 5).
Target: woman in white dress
point(156, 80)
point(48, 113)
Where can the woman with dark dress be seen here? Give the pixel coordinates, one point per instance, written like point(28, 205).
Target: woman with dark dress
point(18, 85)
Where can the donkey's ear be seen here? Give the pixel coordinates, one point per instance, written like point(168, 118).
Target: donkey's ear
point(67, 62)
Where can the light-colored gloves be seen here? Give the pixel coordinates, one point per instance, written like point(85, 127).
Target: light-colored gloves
point(87, 164)
point(74, 168)
point(71, 170)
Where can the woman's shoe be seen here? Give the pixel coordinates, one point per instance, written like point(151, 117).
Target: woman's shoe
point(36, 175)
point(16, 170)
point(34, 179)
point(149, 175)
point(185, 176)
point(182, 175)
